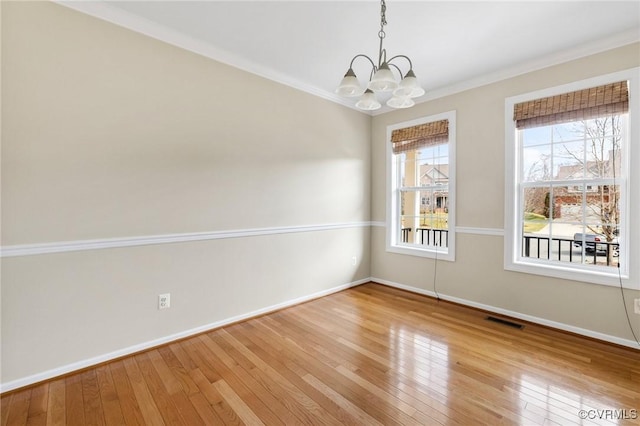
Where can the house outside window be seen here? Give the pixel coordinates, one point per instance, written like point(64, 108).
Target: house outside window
point(571, 161)
point(421, 187)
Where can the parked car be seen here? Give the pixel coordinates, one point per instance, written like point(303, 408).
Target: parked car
point(595, 242)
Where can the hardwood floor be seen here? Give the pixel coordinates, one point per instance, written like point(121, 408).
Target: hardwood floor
point(368, 355)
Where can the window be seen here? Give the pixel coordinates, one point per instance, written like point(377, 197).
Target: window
point(570, 166)
point(421, 195)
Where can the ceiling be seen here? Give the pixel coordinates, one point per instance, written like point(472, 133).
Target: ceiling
point(454, 45)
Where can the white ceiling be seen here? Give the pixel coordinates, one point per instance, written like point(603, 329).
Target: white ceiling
point(454, 45)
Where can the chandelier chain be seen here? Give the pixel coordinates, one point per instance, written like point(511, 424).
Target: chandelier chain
point(383, 18)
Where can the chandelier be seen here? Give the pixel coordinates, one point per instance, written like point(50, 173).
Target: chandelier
point(382, 78)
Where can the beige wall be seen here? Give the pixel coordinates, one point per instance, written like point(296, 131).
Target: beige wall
point(107, 133)
point(478, 275)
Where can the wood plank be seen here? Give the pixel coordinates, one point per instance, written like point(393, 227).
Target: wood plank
point(38, 405)
point(5, 403)
point(145, 400)
point(93, 413)
point(18, 411)
point(220, 406)
point(166, 406)
point(356, 412)
point(204, 409)
point(179, 371)
point(128, 401)
point(56, 406)
point(109, 397)
point(237, 404)
point(74, 401)
point(170, 382)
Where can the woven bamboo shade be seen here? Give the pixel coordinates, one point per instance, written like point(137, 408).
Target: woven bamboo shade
point(420, 136)
point(584, 104)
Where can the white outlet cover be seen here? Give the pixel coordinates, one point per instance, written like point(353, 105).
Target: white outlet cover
point(164, 301)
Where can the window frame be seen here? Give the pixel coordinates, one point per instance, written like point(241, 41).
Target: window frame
point(627, 276)
point(393, 244)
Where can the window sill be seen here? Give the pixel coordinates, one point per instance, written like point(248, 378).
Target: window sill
point(611, 279)
point(431, 252)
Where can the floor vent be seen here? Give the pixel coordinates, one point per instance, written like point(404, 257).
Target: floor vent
point(505, 322)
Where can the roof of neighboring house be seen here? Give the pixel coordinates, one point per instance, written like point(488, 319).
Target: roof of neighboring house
point(434, 172)
point(575, 170)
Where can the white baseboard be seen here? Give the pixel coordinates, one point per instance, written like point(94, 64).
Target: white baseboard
point(542, 321)
point(69, 368)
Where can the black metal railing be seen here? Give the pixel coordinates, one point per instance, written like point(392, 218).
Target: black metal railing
point(404, 232)
point(428, 236)
point(542, 248)
point(434, 236)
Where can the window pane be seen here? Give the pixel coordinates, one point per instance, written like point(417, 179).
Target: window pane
point(536, 163)
point(536, 136)
point(603, 158)
point(603, 205)
point(409, 203)
point(535, 221)
point(603, 126)
point(568, 203)
point(536, 203)
point(568, 160)
point(424, 217)
point(434, 165)
point(407, 168)
point(433, 152)
point(568, 132)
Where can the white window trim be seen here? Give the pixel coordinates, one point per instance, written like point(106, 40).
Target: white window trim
point(392, 244)
point(628, 277)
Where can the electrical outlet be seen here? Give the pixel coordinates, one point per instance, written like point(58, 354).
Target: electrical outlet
point(636, 306)
point(354, 260)
point(164, 301)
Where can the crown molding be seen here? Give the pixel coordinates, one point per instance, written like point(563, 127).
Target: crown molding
point(101, 10)
point(119, 17)
point(560, 57)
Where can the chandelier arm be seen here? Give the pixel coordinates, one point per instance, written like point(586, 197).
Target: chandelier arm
point(405, 57)
point(396, 67)
point(362, 55)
